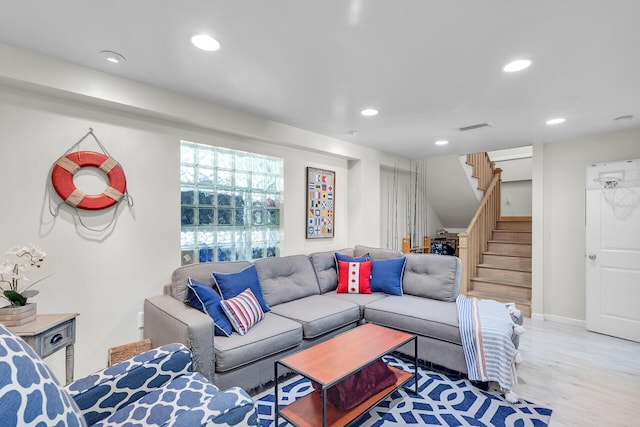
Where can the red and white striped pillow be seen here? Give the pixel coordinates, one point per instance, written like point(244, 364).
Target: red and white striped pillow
point(354, 277)
point(243, 311)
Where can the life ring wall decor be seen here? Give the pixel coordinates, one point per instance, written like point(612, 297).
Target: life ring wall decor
point(67, 166)
point(62, 174)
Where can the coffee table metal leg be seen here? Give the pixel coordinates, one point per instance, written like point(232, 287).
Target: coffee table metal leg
point(276, 408)
point(415, 362)
point(324, 406)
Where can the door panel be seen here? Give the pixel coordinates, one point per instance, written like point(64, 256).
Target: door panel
point(613, 260)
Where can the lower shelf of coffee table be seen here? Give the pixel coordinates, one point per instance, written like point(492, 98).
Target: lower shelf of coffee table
point(307, 411)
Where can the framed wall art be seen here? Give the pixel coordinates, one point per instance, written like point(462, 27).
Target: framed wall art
point(321, 190)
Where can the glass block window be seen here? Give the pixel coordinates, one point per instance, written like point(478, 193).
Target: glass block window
point(230, 204)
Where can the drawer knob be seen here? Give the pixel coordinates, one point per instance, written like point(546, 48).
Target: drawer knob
point(56, 338)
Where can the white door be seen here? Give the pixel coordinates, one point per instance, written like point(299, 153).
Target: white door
point(613, 249)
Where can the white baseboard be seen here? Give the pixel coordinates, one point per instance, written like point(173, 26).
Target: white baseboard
point(559, 319)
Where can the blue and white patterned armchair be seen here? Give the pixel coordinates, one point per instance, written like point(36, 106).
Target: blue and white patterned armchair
point(155, 388)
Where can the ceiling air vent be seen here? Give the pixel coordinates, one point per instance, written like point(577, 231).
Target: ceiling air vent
point(476, 126)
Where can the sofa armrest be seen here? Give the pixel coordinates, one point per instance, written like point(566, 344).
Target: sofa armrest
point(167, 320)
point(102, 393)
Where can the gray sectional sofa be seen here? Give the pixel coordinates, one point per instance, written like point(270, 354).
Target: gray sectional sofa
point(306, 309)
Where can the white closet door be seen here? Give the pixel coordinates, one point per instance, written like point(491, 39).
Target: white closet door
point(613, 249)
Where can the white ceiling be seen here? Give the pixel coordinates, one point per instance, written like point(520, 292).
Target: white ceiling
point(428, 66)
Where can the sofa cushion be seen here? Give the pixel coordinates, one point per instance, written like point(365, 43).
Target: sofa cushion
point(232, 284)
point(324, 265)
point(354, 277)
point(272, 335)
point(361, 300)
point(376, 253)
point(202, 273)
point(432, 276)
point(386, 275)
point(319, 314)
point(286, 279)
point(202, 297)
point(421, 316)
point(243, 311)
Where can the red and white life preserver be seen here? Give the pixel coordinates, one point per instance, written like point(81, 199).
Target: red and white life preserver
point(67, 166)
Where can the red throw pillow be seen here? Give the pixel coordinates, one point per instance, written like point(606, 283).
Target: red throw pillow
point(360, 386)
point(354, 277)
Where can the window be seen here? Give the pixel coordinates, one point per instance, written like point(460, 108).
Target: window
point(230, 204)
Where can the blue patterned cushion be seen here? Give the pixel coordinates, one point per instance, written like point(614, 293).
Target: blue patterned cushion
point(29, 393)
point(232, 284)
point(205, 299)
point(189, 400)
point(386, 275)
point(99, 395)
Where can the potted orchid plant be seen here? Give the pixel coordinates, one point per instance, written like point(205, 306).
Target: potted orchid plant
point(12, 273)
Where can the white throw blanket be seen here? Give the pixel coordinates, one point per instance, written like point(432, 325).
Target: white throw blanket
point(487, 330)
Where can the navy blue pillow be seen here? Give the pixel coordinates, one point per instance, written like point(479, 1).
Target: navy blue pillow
point(232, 284)
point(386, 276)
point(347, 258)
point(205, 299)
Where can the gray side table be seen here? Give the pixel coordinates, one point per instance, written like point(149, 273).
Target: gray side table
point(49, 333)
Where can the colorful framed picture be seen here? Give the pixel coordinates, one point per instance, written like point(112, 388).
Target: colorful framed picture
point(321, 190)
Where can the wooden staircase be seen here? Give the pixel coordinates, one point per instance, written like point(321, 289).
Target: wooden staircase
point(504, 273)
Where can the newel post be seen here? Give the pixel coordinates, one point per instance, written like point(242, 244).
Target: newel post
point(463, 253)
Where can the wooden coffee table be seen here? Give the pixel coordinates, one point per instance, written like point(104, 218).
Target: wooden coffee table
point(332, 361)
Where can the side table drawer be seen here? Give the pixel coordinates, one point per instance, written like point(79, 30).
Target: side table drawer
point(55, 338)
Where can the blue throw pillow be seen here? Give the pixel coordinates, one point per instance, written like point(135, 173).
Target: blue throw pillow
point(205, 299)
point(347, 258)
point(232, 284)
point(386, 275)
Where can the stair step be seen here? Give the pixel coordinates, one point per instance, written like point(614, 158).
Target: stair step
point(507, 248)
point(522, 305)
point(525, 268)
point(514, 224)
point(501, 288)
point(504, 260)
point(519, 276)
point(517, 236)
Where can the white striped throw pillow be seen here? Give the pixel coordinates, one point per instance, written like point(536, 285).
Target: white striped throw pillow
point(243, 311)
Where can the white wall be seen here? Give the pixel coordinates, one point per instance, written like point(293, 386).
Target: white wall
point(516, 181)
point(46, 105)
point(561, 199)
point(516, 198)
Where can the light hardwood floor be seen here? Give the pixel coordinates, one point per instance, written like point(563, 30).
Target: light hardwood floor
point(588, 379)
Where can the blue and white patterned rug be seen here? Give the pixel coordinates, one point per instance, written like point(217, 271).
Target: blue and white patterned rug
point(442, 401)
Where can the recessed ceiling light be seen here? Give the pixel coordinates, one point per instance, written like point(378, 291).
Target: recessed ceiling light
point(517, 65)
point(368, 112)
point(441, 142)
point(555, 121)
point(352, 132)
point(205, 42)
point(114, 57)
